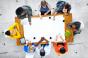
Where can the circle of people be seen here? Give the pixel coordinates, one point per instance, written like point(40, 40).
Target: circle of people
point(25, 11)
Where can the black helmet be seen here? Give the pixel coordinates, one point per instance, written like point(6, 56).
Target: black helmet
point(60, 6)
point(60, 3)
point(68, 7)
point(42, 52)
point(19, 11)
point(7, 33)
point(62, 50)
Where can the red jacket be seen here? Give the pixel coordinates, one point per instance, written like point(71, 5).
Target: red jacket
point(58, 46)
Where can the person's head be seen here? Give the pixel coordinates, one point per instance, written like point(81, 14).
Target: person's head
point(43, 3)
point(60, 6)
point(60, 3)
point(7, 33)
point(62, 50)
point(20, 11)
point(76, 25)
point(67, 8)
point(42, 52)
point(10, 32)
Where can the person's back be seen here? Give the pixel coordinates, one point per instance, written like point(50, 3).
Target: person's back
point(44, 8)
point(60, 48)
point(66, 13)
point(13, 31)
point(59, 7)
point(24, 12)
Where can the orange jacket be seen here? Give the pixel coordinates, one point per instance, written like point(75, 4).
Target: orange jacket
point(57, 47)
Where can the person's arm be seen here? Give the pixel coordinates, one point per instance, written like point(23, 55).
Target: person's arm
point(42, 39)
point(28, 13)
point(39, 42)
point(54, 14)
point(46, 40)
point(66, 46)
point(48, 10)
point(17, 36)
point(29, 19)
point(70, 17)
point(59, 37)
point(62, 39)
point(17, 20)
point(55, 11)
point(39, 11)
point(15, 27)
point(19, 28)
point(12, 26)
point(68, 20)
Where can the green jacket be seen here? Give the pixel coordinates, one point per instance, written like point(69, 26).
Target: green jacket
point(28, 11)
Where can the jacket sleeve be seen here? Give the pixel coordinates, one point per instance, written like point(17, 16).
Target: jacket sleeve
point(17, 36)
point(12, 26)
point(29, 18)
point(29, 12)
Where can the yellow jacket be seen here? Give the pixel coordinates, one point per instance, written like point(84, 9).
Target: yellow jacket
point(68, 19)
point(15, 28)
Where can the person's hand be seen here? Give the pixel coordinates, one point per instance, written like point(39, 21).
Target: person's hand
point(45, 14)
point(21, 33)
point(42, 38)
point(41, 17)
point(26, 16)
point(30, 23)
point(15, 27)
